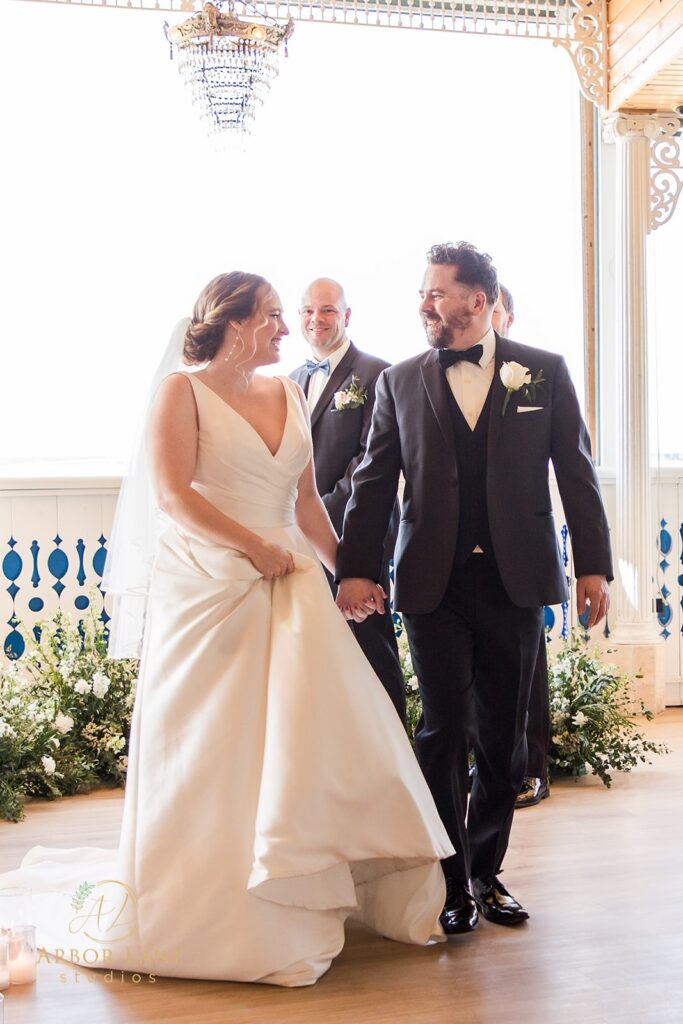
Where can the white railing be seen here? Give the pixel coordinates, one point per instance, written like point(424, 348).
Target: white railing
point(534, 18)
point(54, 532)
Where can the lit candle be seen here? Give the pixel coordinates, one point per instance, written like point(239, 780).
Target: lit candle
point(22, 954)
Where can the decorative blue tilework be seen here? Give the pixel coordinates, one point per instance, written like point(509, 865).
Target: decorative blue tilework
point(664, 545)
point(58, 565)
point(564, 633)
point(12, 564)
point(100, 556)
point(80, 551)
point(35, 551)
point(665, 540)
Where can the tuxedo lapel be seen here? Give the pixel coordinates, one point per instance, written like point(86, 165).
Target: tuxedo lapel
point(336, 378)
point(433, 380)
point(498, 392)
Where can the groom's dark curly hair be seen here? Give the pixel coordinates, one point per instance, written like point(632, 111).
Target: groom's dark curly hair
point(474, 268)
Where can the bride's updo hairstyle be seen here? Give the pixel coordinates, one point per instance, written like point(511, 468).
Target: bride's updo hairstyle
point(228, 297)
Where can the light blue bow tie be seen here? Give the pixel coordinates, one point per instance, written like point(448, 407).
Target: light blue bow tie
point(312, 366)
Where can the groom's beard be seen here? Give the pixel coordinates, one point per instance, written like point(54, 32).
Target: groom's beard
point(440, 333)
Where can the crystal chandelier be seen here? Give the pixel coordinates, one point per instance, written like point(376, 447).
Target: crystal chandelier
point(228, 63)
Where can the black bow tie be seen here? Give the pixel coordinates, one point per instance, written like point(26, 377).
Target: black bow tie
point(449, 357)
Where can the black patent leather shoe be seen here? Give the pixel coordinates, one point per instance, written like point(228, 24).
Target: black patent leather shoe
point(496, 903)
point(532, 792)
point(460, 913)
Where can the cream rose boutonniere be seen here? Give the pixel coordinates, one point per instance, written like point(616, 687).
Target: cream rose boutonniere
point(352, 398)
point(516, 377)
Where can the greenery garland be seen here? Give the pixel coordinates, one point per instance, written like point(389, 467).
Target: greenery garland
point(591, 708)
point(65, 712)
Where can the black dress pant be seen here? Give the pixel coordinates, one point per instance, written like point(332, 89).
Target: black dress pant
point(474, 657)
point(538, 721)
point(377, 639)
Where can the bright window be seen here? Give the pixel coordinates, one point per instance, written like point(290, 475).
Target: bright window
point(373, 145)
point(666, 360)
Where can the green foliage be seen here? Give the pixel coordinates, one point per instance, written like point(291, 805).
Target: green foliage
point(65, 712)
point(591, 705)
point(413, 701)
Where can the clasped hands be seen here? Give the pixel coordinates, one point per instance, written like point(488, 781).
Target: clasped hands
point(357, 598)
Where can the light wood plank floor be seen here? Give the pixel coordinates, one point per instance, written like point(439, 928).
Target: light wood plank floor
point(600, 872)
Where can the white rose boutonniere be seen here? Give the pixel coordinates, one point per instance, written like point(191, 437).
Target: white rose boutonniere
point(516, 377)
point(352, 398)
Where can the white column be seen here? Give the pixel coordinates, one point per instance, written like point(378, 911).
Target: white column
point(636, 551)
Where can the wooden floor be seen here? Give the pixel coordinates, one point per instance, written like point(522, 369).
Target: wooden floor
point(600, 872)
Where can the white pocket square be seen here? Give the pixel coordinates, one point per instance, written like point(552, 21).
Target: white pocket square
point(530, 408)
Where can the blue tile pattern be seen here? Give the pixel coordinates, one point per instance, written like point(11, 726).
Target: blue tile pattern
point(665, 610)
point(66, 568)
point(12, 565)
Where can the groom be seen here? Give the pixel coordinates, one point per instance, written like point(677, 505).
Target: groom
point(477, 555)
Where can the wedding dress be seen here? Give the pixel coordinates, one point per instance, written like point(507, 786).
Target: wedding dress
point(272, 791)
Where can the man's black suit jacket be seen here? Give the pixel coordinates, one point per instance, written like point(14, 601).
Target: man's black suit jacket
point(340, 437)
point(412, 432)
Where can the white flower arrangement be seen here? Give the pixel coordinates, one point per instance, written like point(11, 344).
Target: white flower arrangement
point(591, 707)
point(65, 712)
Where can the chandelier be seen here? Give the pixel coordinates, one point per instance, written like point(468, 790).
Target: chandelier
point(228, 63)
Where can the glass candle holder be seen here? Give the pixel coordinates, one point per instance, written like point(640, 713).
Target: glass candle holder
point(4, 963)
point(15, 907)
point(22, 954)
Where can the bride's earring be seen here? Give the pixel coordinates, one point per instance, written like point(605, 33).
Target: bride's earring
point(236, 349)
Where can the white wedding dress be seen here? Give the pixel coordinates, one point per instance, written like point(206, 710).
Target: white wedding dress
point(272, 791)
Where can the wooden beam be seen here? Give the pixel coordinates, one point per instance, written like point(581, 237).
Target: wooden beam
point(636, 68)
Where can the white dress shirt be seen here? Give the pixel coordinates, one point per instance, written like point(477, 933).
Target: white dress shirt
point(470, 382)
point(319, 379)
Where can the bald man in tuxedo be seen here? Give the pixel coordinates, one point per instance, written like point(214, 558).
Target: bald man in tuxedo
point(339, 442)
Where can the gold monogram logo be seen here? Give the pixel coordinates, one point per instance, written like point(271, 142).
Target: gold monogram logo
point(105, 911)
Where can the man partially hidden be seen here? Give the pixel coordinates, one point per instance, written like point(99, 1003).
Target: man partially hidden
point(535, 786)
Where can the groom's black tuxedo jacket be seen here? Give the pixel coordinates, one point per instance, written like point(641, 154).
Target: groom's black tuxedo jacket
point(412, 432)
point(340, 438)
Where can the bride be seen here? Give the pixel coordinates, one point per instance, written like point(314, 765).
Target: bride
point(271, 790)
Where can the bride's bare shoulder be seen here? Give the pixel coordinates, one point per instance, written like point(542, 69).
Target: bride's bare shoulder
point(177, 383)
point(174, 394)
